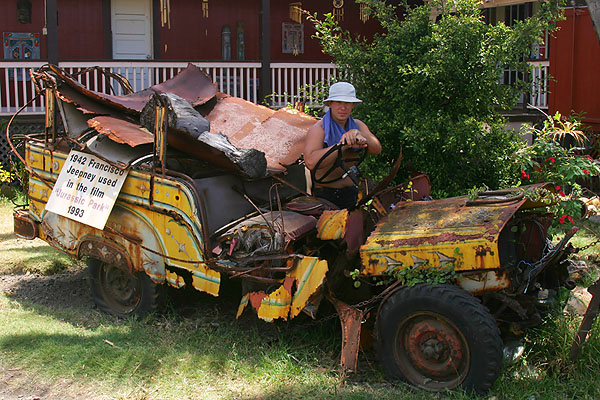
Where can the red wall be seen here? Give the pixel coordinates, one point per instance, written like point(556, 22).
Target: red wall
point(9, 23)
point(574, 66)
point(80, 30)
point(190, 37)
point(312, 47)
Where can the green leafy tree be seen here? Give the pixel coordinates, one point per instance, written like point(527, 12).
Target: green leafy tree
point(431, 87)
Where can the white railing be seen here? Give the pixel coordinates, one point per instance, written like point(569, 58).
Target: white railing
point(299, 82)
point(291, 83)
point(17, 88)
point(238, 79)
point(538, 98)
point(538, 76)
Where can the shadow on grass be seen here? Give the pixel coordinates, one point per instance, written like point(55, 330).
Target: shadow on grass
point(197, 338)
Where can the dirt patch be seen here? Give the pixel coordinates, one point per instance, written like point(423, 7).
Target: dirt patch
point(64, 290)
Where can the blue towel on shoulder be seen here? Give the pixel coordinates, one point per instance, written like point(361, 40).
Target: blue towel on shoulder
point(334, 131)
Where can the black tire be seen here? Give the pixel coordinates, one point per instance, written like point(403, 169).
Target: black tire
point(120, 292)
point(439, 337)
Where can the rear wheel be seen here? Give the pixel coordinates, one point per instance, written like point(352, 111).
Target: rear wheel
point(120, 292)
point(439, 337)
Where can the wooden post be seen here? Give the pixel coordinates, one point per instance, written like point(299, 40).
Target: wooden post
point(265, 50)
point(107, 29)
point(52, 36)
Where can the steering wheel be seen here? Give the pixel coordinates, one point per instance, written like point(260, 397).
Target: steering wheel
point(352, 171)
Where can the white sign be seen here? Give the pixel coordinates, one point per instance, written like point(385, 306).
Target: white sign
point(86, 189)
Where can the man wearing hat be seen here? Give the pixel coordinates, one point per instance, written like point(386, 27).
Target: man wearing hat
point(338, 126)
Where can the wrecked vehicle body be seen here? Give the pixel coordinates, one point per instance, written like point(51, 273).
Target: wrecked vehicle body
point(199, 186)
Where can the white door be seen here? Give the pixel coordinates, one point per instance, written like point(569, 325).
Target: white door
point(132, 29)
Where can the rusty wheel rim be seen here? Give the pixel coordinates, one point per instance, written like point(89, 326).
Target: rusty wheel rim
point(121, 289)
point(431, 352)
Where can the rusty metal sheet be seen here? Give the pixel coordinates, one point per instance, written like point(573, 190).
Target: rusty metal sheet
point(121, 131)
point(236, 117)
point(351, 320)
point(279, 134)
point(191, 83)
point(83, 103)
point(294, 293)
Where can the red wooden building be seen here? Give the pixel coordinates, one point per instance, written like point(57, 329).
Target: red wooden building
point(269, 42)
point(175, 30)
point(575, 65)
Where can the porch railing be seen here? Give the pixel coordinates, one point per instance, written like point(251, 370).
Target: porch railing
point(290, 82)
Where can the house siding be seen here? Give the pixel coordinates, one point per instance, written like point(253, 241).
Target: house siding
point(574, 60)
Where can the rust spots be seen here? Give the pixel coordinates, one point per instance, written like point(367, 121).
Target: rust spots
point(256, 298)
point(481, 250)
point(121, 131)
point(441, 238)
point(288, 283)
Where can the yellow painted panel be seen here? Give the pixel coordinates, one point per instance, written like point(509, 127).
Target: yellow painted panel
point(310, 274)
point(206, 280)
point(276, 305)
point(174, 279)
point(463, 256)
point(332, 224)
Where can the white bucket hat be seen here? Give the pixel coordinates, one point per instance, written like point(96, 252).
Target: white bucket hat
point(342, 91)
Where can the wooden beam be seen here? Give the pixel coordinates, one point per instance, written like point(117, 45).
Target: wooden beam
point(52, 36)
point(158, 49)
point(107, 29)
point(265, 50)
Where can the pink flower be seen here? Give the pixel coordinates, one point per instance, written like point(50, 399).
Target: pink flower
point(551, 159)
point(524, 175)
point(589, 158)
point(585, 171)
point(560, 192)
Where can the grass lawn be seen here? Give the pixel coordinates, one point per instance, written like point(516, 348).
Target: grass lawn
point(55, 345)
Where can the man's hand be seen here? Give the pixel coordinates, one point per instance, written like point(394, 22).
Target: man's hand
point(354, 139)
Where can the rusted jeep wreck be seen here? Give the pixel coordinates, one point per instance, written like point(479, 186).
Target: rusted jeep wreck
point(180, 185)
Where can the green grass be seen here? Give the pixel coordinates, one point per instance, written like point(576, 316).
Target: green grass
point(21, 255)
point(204, 353)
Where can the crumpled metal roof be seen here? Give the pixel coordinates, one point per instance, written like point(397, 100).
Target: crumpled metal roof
point(121, 131)
point(191, 83)
point(279, 134)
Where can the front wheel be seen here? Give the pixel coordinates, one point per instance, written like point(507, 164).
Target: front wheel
point(439, 337)
point(120, 292)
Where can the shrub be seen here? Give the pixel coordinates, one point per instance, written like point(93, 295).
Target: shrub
point(549, 160)
point(432, 88)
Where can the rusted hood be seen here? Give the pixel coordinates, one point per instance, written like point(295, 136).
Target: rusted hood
point(455, 231)
point(191, 83)
point(434, 233)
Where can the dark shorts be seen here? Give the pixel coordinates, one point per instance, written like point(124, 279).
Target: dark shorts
point(343, 197)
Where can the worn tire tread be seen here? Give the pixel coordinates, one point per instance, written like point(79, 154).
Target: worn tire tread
point(473, 315)
point(150, 296)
